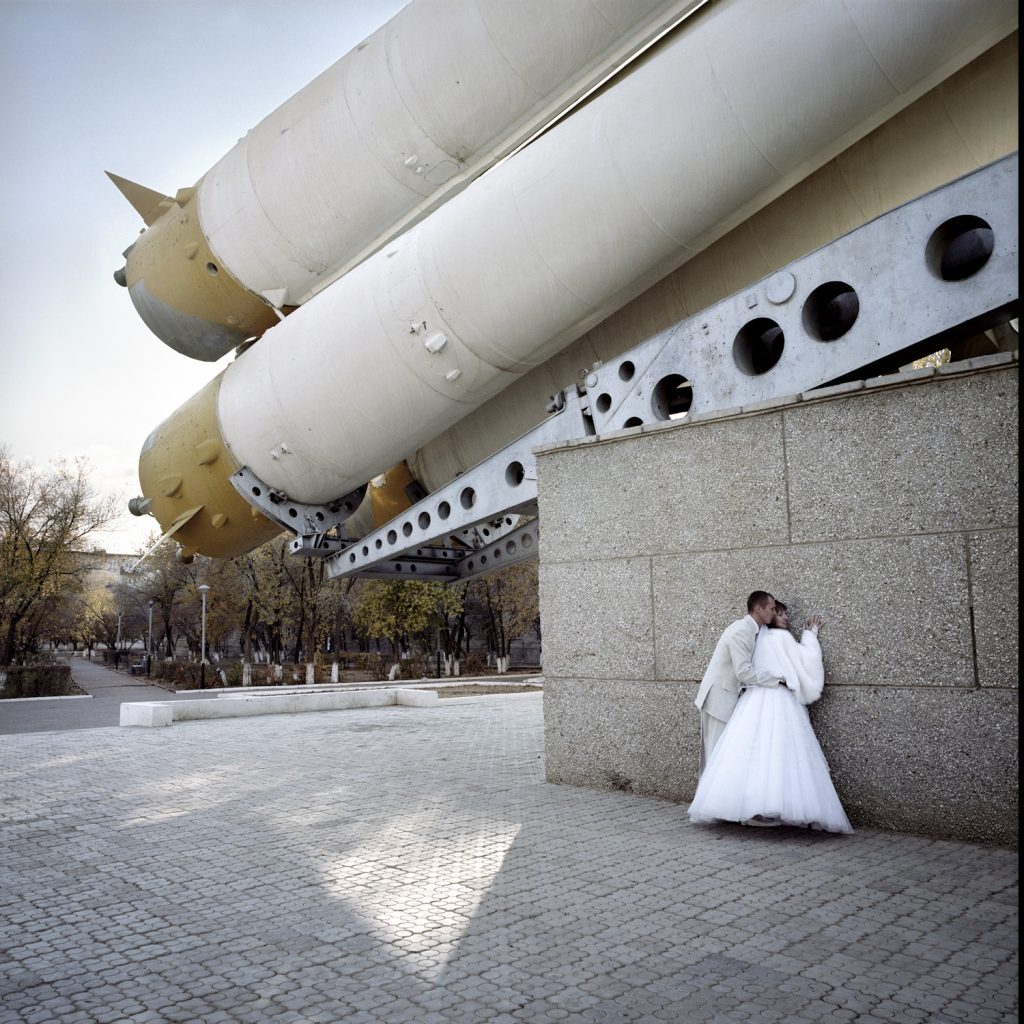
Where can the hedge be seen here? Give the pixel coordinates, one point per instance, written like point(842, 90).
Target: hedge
point(37, 681)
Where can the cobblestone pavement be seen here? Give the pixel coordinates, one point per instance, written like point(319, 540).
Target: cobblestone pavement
point(407, 864)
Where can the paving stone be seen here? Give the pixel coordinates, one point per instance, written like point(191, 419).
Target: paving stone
point(380, 867)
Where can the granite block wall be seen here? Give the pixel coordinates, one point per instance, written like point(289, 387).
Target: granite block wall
point(890, 507)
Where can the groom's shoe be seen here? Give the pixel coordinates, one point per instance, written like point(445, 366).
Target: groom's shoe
point(760, 821)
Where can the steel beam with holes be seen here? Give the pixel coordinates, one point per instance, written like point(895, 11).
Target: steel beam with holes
point(481, 521)
point(935, 270)
point(940, 268)
point(313, 521)
point(454, 565)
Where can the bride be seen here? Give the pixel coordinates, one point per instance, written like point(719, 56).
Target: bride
point(767, 768)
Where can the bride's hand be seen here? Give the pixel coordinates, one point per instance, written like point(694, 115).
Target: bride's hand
point(815, 622)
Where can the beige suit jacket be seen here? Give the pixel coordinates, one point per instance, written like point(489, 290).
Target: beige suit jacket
point(731, 669)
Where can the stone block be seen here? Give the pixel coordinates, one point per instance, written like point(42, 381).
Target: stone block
point(934, 762)
point(146, 713)
point(895, 609)
point(634, 736)
point(416, 698)
point(835, 390)
point(710, 485)
point(599, 619)
point(241, 705)
point(879, 463)
point(995, 561)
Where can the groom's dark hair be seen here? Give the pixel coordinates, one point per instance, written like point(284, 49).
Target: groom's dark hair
point(757, 599)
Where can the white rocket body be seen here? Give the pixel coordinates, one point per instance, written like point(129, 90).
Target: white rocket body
point(747, 99)
point(407, 118)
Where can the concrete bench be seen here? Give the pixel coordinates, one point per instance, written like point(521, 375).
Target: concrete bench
point(146, 712)
point(155, 713)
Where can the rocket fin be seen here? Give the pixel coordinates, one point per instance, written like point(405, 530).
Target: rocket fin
point(145, 201)
point(179, 522)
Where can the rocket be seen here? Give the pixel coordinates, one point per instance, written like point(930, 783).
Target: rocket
point(389, 133)
point(404, 252)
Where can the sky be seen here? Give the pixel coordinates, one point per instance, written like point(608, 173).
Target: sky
point(155, 91)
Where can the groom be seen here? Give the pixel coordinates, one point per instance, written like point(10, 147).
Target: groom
point(730, 670)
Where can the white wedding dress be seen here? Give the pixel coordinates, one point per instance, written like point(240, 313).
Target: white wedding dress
point(768, 761)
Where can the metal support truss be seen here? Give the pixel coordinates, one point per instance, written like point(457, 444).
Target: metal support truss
point(939, 269)
point(311, 522)
point(481, 521)
point(508, 541)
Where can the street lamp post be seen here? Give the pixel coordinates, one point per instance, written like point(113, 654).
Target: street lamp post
point(117, 643)
point(149, 639)
point(203, 588)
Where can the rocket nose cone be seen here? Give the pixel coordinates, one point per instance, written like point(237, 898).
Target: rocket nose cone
point(121, 277)
point(190, 335)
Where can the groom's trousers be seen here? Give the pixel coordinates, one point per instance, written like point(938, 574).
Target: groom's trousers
point(711, 730)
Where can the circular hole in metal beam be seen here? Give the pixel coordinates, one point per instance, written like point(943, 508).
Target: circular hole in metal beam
point(444, 510)
point(467, 498)
point(604, 402)
point(959, 248)
point(626, 370)
point(672, 397)
point(830, 311)
point(424, 520)
point(514, 474)
point(758, 346)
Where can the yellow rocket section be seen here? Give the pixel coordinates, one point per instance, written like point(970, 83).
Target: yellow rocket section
point(185, 465)
point(179, 287)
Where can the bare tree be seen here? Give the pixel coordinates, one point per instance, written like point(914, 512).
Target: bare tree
point(511, 606)
point(45, 517)
point(165, 581)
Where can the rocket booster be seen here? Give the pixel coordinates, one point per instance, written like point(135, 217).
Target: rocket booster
point(386, 134)
point(702, 132)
